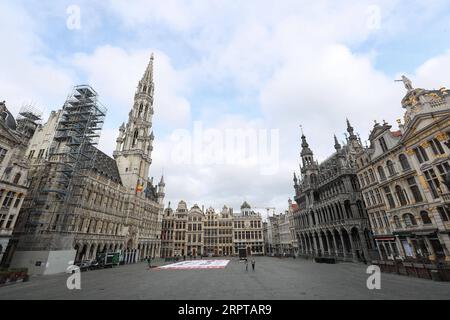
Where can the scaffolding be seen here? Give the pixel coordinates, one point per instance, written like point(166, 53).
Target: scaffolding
point(28, 120)
point(71, 155)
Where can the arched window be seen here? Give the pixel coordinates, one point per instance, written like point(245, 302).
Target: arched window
point(397, 222)
point(141, 107)
point(404, 162)
point(313, 179)
point(425, 217)
point(17, 178)
point(381, 173)
point(409, 220)
point(401, 195)
point(390, 166)
point(135, 136)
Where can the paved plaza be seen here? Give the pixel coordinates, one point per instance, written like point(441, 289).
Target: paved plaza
point(273, 278)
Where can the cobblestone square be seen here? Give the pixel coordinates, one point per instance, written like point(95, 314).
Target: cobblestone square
point(273, 278)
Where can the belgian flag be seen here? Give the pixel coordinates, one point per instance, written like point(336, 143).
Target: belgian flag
point(139, 187)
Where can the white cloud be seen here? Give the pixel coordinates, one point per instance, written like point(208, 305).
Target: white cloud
point(115, 73)
point(434, 73)
point(27, 76)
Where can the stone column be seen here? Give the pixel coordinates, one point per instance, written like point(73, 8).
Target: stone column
point(88, 252)
point(344, 247)
point(352, 248)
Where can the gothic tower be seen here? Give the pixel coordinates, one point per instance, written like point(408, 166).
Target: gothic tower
point(135, 141)
point(309, 165)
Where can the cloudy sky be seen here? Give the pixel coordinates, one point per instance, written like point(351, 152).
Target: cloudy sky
point(221, 66)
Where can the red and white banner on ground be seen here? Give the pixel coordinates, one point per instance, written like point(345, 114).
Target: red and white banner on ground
point(196, 264)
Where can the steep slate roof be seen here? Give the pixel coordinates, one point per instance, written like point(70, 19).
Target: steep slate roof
point(106, 166)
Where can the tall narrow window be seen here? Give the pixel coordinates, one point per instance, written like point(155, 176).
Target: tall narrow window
point(433, 182)
point(383, 144)
point(371, 175)
point(421, 154)
point(443, 168)
point(17, 178)
point(436, 146)
point(135, 136)
point(404, 162)
point(389, 197)
point(381, 173)
point(444, 213)
point(8, 199)
point(400, 195)
point(391, 168)
point(415, 189)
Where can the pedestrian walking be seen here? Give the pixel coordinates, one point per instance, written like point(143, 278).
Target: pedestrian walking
point(253, 264)
point(149, 261)
point(246, 265)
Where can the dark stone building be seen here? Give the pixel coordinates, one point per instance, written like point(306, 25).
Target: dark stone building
point(331, 220)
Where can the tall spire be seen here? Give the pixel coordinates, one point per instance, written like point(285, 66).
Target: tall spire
point(305, 146)
point(146, 85)
point(135, 143)
point(337, 145)
point(148, 75)
point(350, 130)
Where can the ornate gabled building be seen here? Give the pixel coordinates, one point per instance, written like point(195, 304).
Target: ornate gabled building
point(83, 202)
point(248, 231)
point(404, 176)
point(196, 232)
point(218, 232)
point(14, 182)
point(331, 219)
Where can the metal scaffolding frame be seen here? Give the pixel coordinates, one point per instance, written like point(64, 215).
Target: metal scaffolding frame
point(71, 155)
point(28, 120)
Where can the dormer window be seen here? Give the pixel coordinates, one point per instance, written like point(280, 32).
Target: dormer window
point(383, 144)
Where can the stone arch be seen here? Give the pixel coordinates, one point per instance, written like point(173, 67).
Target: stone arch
point(329, 236)
point(324, 242)
point(347, 247)
point(337, 239)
